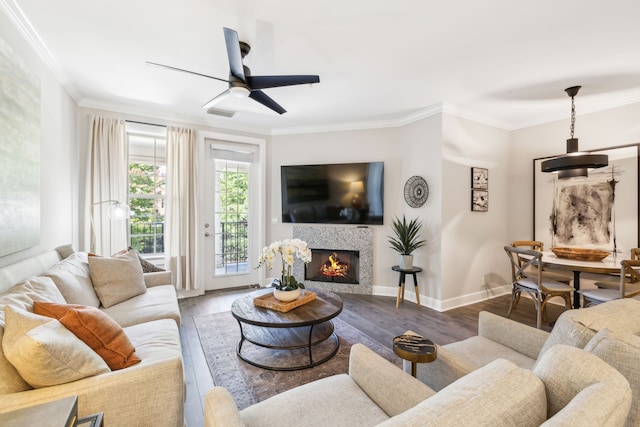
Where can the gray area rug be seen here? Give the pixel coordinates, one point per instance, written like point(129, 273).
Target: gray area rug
point(219, 335)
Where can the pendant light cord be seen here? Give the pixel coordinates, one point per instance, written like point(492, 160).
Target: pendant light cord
point(573, 116)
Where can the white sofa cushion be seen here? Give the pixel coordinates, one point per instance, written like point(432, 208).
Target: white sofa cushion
point(483, 351)
point(159, 302)
point(71, 276)
point(622, 351)
point(499, 393)
point(335, 400)
point(45, 352)
point(22, 296)
point(118, 278)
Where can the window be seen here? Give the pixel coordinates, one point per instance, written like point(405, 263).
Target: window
point(232, 211)
point(147, 189)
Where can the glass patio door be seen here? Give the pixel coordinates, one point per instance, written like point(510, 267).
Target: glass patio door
point(230, 227)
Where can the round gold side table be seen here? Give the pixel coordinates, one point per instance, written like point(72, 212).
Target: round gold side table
point(415, 349)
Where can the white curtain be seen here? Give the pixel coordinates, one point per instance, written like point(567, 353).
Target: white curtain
point(180, 218)
point(107, 175)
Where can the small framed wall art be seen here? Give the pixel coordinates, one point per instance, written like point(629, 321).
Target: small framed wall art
point(479, 190)
point(479, 178)
point(479, 200)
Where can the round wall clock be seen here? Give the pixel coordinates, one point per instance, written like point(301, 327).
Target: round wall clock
point(416, 191)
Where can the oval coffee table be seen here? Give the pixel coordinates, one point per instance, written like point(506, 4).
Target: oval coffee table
point(305, 326)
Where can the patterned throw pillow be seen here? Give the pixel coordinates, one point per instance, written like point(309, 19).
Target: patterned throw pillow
point(147, 267)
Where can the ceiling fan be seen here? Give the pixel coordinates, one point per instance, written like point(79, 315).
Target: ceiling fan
point(241, 82)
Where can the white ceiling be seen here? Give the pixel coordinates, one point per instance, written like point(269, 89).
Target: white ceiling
point(380, 62)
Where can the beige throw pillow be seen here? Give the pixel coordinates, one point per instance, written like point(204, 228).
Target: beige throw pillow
point(71, 276)
point(621, 350)
point(45, 352)
point(22, 295)
point(118, 278)
point(577, 327)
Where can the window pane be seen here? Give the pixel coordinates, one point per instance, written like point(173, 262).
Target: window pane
point(232, 203)
point(147, 187)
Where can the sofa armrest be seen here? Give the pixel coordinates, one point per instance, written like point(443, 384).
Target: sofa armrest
point(517, 336)
point(392, 389)
point(447, 368)
point(144, 394)
point(582, 389)
point(157, 278)
point(220, 409)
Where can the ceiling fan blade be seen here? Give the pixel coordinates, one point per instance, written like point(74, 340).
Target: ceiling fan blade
point(233, 52)
point(185, 71)
point(265, 100)
point(264, 82)
point(217, 99)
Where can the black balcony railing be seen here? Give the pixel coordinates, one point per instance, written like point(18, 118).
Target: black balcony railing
point(234, 242)
point(147, 237)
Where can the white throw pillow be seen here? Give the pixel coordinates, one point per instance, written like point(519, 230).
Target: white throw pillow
point(621, 350)
point(45, 352)
point(577, 327)
point(22, 295)
point(71, 276)
point(118, 278)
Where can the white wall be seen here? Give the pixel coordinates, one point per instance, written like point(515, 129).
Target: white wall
point(58, 152)
point(412, 150)
point(474, 266)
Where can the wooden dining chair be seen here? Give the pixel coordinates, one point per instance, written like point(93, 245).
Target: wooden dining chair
point(628, 286)
point(535, 245)
point(613, 281)
point(527, 277)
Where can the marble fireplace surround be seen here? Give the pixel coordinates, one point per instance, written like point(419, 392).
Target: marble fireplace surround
point(339, 238)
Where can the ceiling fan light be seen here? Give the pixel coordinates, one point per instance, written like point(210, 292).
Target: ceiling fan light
point(239, 91)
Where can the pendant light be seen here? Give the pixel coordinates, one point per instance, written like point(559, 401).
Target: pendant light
point(574, 163)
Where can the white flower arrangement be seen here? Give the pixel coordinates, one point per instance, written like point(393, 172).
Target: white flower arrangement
point(289, 250)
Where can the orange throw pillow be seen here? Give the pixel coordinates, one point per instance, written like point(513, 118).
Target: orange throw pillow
point(94, 328)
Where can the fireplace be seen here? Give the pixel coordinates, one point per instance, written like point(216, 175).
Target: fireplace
point(339, 240)
point(334, 266)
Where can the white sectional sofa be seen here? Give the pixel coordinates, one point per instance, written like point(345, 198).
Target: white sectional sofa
point(568, 388)
point(149, 393)
point(610, 331)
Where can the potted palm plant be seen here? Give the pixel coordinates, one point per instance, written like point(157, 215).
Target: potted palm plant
point(406, 239)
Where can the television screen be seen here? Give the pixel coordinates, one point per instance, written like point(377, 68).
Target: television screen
point(343, 193)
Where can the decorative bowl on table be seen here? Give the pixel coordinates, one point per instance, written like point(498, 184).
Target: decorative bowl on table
point(580, 254)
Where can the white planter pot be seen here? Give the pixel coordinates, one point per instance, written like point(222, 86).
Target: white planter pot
point(406, 262)
point(286, 296)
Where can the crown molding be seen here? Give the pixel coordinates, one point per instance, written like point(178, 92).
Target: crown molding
point(167, 118)
point(24, 27)
point(373, 124)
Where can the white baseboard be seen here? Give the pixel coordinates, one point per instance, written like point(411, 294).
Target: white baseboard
point(445, 305)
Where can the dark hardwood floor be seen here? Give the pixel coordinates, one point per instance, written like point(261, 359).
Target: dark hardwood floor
point(376, 316)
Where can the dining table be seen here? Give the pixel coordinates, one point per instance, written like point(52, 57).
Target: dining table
point(609, 265)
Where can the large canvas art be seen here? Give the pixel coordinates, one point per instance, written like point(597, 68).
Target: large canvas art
point(19, 153)
point(598, 212)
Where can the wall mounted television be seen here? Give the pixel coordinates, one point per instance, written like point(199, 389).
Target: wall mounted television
point(341, 193)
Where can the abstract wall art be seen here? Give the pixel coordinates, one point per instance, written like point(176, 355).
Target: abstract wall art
point(599, 211)
point(19, 153)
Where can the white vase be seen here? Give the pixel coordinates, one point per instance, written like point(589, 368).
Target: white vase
point(406, 262)
point(286, 296)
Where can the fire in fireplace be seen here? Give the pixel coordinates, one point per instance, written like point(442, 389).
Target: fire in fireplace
point(331, 265)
